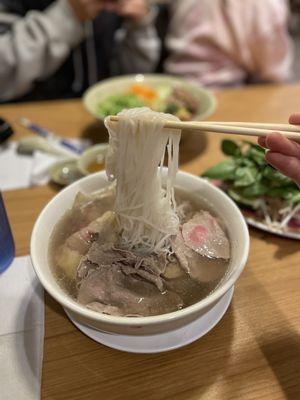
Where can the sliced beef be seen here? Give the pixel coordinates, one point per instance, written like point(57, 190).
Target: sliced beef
point(149, 268)
point(148, 276)
point(204, 235)
point(120, 282)
point(190, 290)
point(109, 290)
point(200, 268)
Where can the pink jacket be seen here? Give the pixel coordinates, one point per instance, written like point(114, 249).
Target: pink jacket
point(224, 42)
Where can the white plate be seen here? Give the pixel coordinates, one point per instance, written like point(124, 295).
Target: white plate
point(266, 228)
point(164, 341)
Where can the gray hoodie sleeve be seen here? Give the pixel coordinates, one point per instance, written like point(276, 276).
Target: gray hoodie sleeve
point(138, 46)
point(35, 46)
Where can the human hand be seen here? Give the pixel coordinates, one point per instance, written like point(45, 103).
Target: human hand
point(89, 9)
point(283, 154)
point(136, 10)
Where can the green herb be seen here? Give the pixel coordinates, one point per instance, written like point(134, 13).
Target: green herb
point(245, 176)
point(116, 103)
point(275, 177)
point(171, 108)
point(248, 177)
point(230, 148)
point(225, 170)
point(239, 198)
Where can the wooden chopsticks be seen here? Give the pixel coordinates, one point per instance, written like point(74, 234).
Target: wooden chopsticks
point(272, 127)
point(233, 128)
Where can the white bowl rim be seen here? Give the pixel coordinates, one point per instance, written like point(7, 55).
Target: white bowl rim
point(212, 98)
point(66, 301)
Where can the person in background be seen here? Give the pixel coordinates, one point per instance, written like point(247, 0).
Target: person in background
point(283, 154)
point(56, 49)
point(223, 43)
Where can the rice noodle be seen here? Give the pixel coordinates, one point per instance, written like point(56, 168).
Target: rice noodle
point(146, 211)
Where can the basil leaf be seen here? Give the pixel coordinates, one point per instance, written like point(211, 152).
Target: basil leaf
point(295, 199)
point(254, 146)
point(237, 196)
point(276, 177)
point(256, 190)
point(230, 148)
point(292, 195)
point(244, 162)
point(256, 155)
point(245, 176)
point(225, 170)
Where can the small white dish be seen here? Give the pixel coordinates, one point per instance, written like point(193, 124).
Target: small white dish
point(65, 171)
point(164, 341)
point(94, 154)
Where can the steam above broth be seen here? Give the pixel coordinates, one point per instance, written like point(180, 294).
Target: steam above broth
point(139, 247)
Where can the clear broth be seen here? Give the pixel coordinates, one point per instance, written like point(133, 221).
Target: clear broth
point(190, 290)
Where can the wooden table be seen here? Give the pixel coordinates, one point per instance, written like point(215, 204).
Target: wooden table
point(253, 353)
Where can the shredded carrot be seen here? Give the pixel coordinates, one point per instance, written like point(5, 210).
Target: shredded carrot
point(145, 92)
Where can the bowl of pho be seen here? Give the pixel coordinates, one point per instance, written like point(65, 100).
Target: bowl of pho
point(139, 249)
point(164, 93)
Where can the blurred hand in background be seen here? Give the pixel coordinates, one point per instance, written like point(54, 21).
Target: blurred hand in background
point(136, 10)
point(89, 9)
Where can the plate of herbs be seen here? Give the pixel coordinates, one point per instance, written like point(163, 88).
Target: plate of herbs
point(269, 200)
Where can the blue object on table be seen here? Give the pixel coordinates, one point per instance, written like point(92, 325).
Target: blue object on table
point(5, 130)
point(45, 133)
point(7, 246)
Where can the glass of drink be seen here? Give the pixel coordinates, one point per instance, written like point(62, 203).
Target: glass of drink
point(7, 246)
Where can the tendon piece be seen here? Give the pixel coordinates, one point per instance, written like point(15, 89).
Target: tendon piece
point(68, 256)
point(204, 235)
point(173, 271)
point(146, 210)
point(89, 207)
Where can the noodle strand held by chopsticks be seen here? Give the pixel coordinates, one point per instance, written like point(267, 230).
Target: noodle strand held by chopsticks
point(146, 210)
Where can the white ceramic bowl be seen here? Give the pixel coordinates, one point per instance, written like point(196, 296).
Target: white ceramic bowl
point(216, 200)
point(100, 91)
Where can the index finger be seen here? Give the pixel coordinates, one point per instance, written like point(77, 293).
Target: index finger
point(280, 144)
